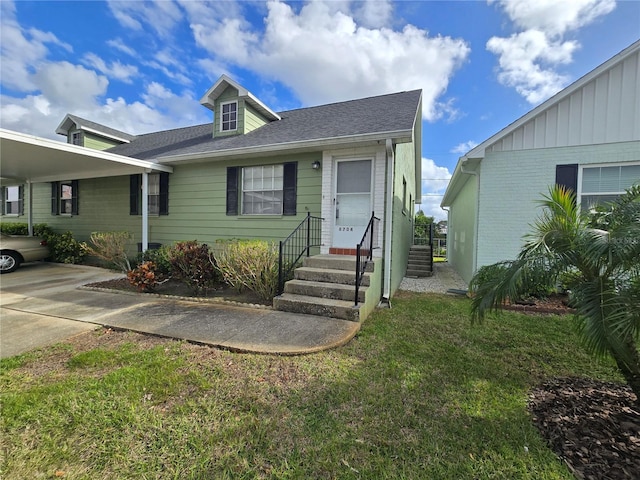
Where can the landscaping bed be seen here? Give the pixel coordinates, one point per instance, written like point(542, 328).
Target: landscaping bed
point(175, 288)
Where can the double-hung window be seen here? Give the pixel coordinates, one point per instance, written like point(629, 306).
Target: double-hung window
point(64, 197)
point(12, 200)
point(262, 192)
point(229, 119)
point(157, 195)
point(77, 138)
point(600, 184)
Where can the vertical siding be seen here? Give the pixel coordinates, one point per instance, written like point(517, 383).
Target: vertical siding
point(604, 110)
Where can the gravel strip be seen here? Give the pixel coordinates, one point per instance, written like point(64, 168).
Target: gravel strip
point(444, 277)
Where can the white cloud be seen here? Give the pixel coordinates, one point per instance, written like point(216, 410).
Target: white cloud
point(464, 147)
point(22, 52)
point(434, 183)
point(528, 60)
point(160, 16)
point(324, 55)
point(118, 44)
point(553, 16)
point(115, 70)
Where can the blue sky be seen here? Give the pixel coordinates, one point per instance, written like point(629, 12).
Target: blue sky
point(142, 66)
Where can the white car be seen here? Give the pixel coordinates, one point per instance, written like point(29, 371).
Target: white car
point(17, 249)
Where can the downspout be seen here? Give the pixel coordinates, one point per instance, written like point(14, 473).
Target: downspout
point(145, 210)
point(388, 220)
point(474, 260)
point(446, 209)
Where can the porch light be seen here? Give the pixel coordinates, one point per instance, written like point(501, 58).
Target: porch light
point(315, 165)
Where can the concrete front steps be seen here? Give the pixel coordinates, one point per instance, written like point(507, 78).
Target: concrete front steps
point(325, 286)
point(420, 263)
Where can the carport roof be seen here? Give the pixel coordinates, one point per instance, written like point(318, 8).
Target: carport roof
point(36, 159)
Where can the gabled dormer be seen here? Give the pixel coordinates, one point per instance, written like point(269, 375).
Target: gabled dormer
point(236, 110)
point(86, 133)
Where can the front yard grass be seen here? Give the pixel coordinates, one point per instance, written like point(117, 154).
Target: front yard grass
point(420, 393)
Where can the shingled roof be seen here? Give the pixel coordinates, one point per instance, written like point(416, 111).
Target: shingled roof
point(391, 115)
point(84, 124)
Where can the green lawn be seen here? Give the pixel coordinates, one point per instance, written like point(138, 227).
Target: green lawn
point(420, 393)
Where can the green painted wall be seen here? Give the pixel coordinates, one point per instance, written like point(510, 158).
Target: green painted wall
point(402, 215)
point(93, 141)
point(98, 143)
point(230, 94)
point(252, 119)
point(197, 205)
point(461, 241)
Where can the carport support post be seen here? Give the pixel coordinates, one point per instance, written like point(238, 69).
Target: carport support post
point(30, 206)
point(145, 210)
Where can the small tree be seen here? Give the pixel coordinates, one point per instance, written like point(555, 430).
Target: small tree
point(598, 255)
point(110, 247)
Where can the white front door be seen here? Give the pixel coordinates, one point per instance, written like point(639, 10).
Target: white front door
point(352, 201)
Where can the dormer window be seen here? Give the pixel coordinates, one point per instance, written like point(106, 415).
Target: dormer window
point(229, 120)
point(76, 139)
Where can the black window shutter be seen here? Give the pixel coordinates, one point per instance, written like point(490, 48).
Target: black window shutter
point(567, 176)
point(135, 182)
point(3, 196)
point(164, 194)
point(55, 188)
point(290, 182)
point(20, 200)
point(74, 197)
point(232, 190)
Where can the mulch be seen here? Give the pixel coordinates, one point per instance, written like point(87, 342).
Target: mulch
point(593, 426)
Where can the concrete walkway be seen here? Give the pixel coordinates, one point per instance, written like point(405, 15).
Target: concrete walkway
point(41, 304)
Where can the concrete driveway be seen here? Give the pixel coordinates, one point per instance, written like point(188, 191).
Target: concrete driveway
point(37, 305)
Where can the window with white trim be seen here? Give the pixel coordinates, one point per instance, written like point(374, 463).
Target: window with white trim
point(262, 190)
point(12, 200)
point(229, 118)
point(606, 183)
point(154, 193)
point(77, 138)
point(66, 198)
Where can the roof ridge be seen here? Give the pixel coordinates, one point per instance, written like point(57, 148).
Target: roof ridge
point(349, 101)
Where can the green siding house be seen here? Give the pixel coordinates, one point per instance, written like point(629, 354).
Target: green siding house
point(250, 173)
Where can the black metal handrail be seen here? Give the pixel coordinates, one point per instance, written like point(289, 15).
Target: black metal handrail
point(364, 250)
point(298, 243)
point(431, 235)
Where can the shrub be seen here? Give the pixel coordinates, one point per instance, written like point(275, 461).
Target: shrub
point(191, 262)
point(14, 228)
point(144, 277)
point(249, 264)
point(63, 247)
point(160, 257)
point(110, 247)
point(533, 284)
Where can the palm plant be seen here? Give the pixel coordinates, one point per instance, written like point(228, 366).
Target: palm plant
point(598, 256)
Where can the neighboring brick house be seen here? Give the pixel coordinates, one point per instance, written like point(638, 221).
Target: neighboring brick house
point(587, 137)
point(251, 173)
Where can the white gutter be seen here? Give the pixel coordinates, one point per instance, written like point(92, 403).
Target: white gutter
point(400, 136)
point(388, 220)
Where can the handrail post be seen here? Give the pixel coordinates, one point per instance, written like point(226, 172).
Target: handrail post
point(308, 233)
point(280, 267)
point(357, 272)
